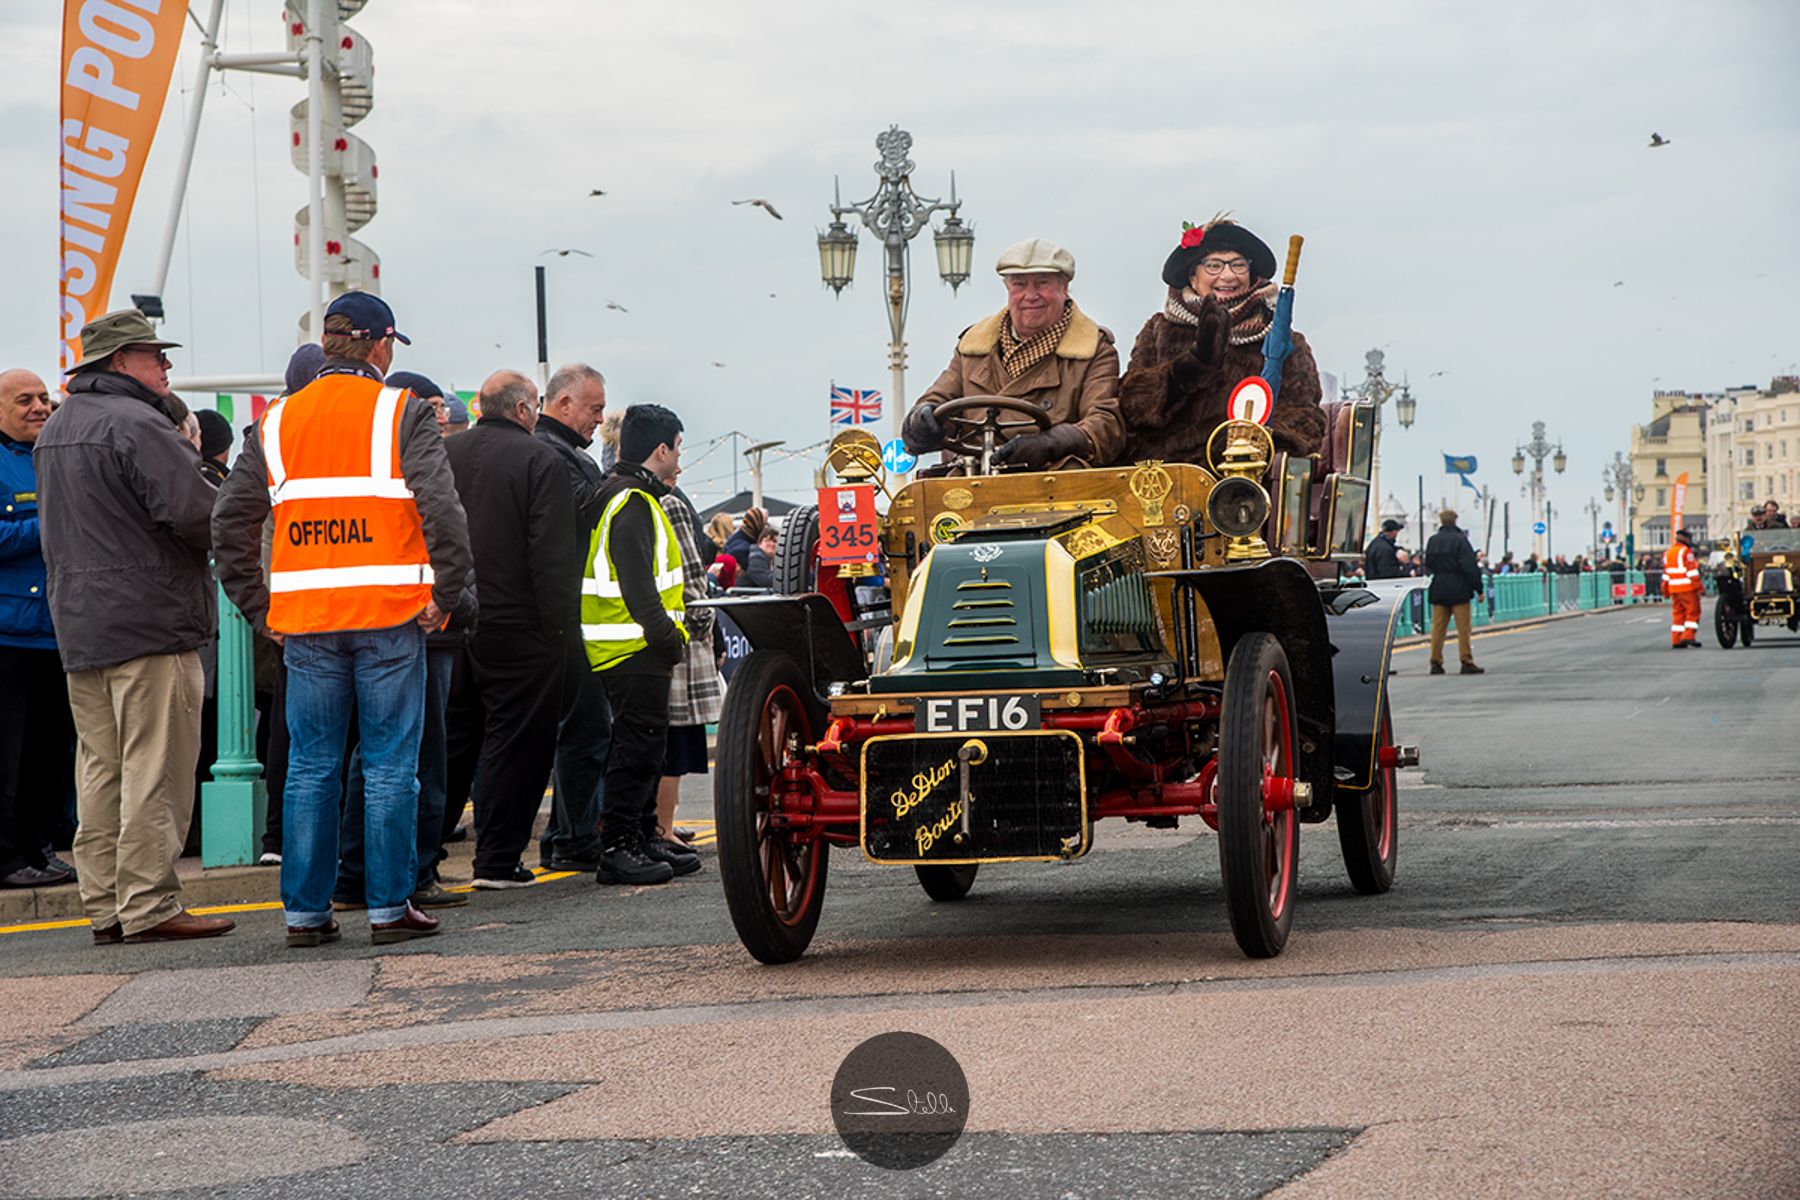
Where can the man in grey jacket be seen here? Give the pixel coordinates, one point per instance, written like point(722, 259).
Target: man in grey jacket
point(124, 514)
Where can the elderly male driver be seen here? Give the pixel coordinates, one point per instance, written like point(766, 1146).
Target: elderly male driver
point(1040, 348)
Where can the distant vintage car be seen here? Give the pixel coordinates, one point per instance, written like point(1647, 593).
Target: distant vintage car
point(1758, 584)
point(1148, 642)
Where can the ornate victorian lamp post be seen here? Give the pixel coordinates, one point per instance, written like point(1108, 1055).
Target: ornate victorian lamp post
point(896, 214)
point(1539, 448)
point(1375, 388)
point(1619, 481)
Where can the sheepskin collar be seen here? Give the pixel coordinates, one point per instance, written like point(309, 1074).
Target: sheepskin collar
point(1081, 342)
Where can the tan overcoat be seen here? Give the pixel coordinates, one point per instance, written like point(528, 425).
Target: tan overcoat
point(1079, 384)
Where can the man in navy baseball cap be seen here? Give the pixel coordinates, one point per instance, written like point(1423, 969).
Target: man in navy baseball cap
point(371, 319)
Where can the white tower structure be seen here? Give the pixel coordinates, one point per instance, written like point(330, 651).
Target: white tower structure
point(340, 71)
point(338, 66)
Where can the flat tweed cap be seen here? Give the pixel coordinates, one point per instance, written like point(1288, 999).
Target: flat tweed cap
point(1033, 255)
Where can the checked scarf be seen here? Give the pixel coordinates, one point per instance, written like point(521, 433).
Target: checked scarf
point(1250, 314)
point(1018, 357)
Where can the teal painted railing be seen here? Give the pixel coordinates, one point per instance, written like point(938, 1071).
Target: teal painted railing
point(1541, 594)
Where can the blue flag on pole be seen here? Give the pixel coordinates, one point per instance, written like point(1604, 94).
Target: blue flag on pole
point(1463, 466)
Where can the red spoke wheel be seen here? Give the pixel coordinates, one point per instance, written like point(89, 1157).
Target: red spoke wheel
point(947, 882)
point(774, 881)
point(1259, 831)
point(1368, 822)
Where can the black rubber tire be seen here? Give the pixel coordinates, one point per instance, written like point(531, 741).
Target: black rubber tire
point(1725, 625)
point(1259, 851)
point(774, 888)
point(1748, 631)
point(947, 882)
point(1369, 822)
point(795, 570)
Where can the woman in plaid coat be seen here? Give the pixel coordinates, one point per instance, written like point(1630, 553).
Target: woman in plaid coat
point(696, 693)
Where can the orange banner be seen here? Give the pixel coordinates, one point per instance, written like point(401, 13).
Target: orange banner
point(117, 56)
point(1678, 504)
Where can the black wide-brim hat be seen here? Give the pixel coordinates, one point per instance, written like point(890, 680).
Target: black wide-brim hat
point(1219, 237)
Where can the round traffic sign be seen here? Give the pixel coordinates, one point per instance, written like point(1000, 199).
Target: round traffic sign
point(896, 458)
point(1252, 400)
point(1539, 528)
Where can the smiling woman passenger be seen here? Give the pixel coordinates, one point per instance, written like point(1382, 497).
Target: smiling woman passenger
point(1206, 340)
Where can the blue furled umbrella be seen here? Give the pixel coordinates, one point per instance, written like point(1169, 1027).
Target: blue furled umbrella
point(1278, 343)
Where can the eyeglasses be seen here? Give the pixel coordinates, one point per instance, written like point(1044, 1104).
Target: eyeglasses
point(1218, 266)
point(162, 360)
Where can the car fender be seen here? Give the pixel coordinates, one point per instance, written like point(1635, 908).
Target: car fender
point(806, 627)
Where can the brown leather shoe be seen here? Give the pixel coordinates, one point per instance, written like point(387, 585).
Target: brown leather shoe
point(1470, 668)
point(109, 935)
point(181, 926)
point(312, 935)
point(414, 924)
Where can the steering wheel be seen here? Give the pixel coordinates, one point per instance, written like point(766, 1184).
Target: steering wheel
point(977, 425)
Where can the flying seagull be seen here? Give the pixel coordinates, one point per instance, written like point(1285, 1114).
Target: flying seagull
point(619, 307)
point(1657, 139)
point(1619, 283)
point(596, 192)
point(718, 364)
point(762, 204)
point(1435, 374)
point(566, 253)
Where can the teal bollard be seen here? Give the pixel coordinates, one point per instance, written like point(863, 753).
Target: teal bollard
point(235, 803)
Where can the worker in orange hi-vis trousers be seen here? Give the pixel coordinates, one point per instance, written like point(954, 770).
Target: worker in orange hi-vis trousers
point(1681, 584)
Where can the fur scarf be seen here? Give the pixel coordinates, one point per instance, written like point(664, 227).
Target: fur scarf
point(1179, 383)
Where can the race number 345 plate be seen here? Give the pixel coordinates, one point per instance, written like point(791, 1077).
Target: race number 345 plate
point(976, 714)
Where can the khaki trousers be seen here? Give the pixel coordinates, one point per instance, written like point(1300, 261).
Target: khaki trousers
point(137, 729)
point(1440, 624)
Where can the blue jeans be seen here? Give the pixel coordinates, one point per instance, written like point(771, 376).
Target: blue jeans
point(578, 782)
point(379, 676)
point(432, 788)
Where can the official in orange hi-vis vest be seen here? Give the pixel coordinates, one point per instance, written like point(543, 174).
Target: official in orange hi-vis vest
point(1681, 583)
point(370, 550)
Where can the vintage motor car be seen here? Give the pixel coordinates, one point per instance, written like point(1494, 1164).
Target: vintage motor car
point(1145, 642)
point(1758, 584)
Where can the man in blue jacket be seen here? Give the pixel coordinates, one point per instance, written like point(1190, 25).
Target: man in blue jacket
point(36, 732)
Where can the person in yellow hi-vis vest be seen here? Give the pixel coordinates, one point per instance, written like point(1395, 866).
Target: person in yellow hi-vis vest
point(632, 623)
point(1681, 584)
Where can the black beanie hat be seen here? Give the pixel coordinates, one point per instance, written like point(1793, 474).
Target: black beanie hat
point(215, 432)
point(1222, 236)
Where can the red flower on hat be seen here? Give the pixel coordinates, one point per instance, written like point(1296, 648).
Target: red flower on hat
point(1192, 235)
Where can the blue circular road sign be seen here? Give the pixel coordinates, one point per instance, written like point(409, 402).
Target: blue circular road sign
point(895, 458)
point(1538, 528)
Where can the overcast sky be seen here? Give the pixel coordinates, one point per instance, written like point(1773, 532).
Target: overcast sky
point(1474, 183)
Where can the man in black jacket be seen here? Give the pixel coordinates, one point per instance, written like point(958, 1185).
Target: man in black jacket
point(631, 609)
point(522, 528)
point(1455, 580)
point(571, 841)
point(1382, 559)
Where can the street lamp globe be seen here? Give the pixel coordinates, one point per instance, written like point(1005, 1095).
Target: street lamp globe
point(955, 251)
point(837, 256)
point(1560, 460)
point(1405, 408)
point(1609, 493)
point(1519, 462)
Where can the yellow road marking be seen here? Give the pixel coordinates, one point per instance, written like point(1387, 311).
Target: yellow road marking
point(1473, 636)
point(704, 830)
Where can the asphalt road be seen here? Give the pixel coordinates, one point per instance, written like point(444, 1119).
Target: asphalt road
point(1597, 812)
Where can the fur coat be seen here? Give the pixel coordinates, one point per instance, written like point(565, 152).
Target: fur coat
point(1180, 381)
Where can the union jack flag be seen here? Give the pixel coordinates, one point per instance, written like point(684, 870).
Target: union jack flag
point(854, 406)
